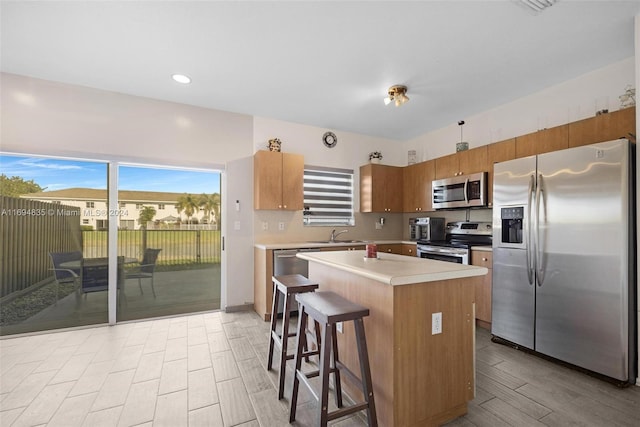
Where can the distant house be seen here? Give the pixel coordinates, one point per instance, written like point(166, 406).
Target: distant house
point(95, 212)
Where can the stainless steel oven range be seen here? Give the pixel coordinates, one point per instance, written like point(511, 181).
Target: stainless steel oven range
point(460, 237)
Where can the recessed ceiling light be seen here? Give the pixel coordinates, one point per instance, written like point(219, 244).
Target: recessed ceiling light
point(181, 78)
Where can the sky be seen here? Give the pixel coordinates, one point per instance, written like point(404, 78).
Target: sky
point(57, 174)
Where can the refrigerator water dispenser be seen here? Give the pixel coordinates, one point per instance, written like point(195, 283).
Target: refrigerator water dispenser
point(512, 224)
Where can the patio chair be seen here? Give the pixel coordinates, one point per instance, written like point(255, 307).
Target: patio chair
point(65, 275)
point(145, 270)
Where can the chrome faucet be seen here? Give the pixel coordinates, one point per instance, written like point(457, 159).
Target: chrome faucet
point(334, 235)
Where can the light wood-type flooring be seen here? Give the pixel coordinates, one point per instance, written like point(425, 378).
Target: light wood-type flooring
point(208, 369)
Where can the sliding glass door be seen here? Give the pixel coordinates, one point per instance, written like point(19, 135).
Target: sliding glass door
point(53, 242)
point(54, 233)
point(169, 241)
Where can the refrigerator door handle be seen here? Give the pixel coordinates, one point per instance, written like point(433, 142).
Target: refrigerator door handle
point(539, 250)
point(528, 243)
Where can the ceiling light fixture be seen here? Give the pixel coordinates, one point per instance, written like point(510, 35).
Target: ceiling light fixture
point(537, 5)
point(181, 78)
point(397, 94)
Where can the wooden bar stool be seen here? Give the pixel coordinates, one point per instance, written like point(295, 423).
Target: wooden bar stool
point(287, 286)
point(329, 308)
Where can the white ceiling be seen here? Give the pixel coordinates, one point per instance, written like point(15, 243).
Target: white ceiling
point(323, 63)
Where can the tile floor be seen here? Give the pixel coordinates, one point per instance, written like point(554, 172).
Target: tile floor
point(209, 370)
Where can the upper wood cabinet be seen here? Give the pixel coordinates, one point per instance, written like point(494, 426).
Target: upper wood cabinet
point(417, 186)
point(381, 188)
point(543, 141)
point(462, 163)
point(278, 181)
point(604, 127)
point(498, 152)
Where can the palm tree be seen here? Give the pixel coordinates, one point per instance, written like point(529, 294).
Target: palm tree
point(146, 214)
point(210, 204)
point(189, 204)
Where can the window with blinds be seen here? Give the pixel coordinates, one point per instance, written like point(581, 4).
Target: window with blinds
point(328, 196)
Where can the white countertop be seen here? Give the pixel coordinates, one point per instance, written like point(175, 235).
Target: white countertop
point(393, 269)
point(301, 245)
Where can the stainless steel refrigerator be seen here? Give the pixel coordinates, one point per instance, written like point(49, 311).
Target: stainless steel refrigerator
point(564, 256)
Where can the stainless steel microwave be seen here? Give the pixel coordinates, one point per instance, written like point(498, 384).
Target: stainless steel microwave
point(462, 191)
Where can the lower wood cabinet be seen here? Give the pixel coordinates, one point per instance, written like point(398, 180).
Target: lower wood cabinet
point(262, 284)
point(409, 250)
point(394, 248)
point(483, 286)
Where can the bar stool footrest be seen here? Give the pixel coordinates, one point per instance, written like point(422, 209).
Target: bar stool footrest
point(343, 412)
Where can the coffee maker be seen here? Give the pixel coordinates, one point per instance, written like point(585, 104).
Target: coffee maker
point(427, 229)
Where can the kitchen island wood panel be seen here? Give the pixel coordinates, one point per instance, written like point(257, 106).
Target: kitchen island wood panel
point(419, 379)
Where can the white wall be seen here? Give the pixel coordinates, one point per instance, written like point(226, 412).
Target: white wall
point(238, 229)
point(49, 118)
point(44, 117)
point(351, 152)
point(573, 100)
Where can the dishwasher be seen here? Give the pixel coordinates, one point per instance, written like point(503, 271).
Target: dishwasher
point(285, 262)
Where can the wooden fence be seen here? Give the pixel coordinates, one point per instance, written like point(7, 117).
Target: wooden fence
point(29, 230)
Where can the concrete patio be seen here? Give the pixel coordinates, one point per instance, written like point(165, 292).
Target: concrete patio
point(177, 292)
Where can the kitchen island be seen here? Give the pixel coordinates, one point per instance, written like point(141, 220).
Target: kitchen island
point(419, 378)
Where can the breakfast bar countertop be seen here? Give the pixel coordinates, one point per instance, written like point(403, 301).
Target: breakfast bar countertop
point(393, 269)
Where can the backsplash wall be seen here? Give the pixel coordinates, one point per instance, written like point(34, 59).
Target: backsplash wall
point(295, 231)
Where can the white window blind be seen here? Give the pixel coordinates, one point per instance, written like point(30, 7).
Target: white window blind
point(328, 196)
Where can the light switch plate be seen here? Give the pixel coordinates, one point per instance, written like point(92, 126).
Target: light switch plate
point(281, 226)
point(436, 323)
point(265, 225)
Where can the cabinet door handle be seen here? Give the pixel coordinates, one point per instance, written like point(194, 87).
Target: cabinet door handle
point(485, 259)
point(279, 206)
point(389, 250)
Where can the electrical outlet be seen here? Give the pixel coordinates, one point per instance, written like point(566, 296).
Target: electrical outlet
point(265, 225)
point(436, 323)
point(378, 226)
point(339, 327)
point(281, 226)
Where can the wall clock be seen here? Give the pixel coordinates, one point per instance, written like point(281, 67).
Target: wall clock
point(330, 139)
